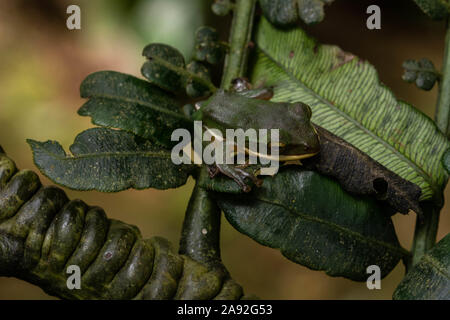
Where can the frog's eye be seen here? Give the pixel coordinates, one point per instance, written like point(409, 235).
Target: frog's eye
point(302, 110)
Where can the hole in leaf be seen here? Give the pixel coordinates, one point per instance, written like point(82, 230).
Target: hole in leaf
point(380, 185)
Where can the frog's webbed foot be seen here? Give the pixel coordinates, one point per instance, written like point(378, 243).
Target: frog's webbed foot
point(238, 175)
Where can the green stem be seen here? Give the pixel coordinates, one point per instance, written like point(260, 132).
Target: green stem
point(426, 229)
point(241, 30)
point(443, 105)
point(200, 238)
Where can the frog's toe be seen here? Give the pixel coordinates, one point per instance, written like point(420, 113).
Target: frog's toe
point(213, 171)
point(240, 180)
point(244, 174)
point(239, 176)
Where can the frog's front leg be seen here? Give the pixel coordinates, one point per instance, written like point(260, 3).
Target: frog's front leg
point(237, 174)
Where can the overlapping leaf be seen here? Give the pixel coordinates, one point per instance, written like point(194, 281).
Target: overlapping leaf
point(284, 13)
point(122, 101)
point(207, 46)
point(348, 100)
point(109, 161)
point(315, 223)
point(165, 68)
point(430, 278)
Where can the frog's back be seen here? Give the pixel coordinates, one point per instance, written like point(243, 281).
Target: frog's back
point(231, 110)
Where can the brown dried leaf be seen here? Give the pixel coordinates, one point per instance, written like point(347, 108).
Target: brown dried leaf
point(360, 174)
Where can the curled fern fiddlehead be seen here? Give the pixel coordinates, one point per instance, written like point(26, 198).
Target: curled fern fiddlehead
point(42, 232)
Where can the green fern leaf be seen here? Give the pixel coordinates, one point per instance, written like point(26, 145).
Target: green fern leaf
point(347, 99)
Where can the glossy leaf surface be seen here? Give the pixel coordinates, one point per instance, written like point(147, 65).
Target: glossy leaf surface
point(315, 223)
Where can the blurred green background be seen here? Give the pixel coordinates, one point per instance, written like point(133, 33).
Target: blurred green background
point(42, 64)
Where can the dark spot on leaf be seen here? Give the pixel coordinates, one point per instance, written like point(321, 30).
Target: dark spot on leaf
point(291, 54)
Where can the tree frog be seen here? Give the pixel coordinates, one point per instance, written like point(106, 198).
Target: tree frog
point(244, 108)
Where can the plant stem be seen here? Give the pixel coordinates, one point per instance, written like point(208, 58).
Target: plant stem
point(426, 230)
point(241, 30)
point(442, 117)
point(200, 238)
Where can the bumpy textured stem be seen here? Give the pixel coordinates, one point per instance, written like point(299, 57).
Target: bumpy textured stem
point(241, 29)
point(426, 230)
point(42, 232)
point(443, 105)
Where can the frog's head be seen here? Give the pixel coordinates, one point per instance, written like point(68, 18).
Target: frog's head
point(299, 138)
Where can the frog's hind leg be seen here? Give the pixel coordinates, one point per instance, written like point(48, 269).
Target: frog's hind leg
point(239, 175)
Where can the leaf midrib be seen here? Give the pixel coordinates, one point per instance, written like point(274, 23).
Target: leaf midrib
point(436, 264)
point(422, 173)
point(110, 154)
point(399, 250)
point(187, 74)
point(140, 102)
